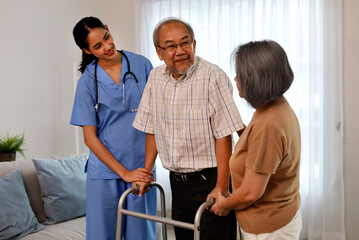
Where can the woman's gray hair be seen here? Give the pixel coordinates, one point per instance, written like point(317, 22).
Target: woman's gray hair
point(263, 71)
point(169, 21)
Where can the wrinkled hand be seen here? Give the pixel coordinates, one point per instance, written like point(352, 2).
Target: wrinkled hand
point(214, 193)
point(218, 190)
point(139, 175)
point(217, 207)
point(143, 188)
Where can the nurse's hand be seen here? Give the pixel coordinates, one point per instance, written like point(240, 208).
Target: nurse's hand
point(138, 175)
point(143, 188)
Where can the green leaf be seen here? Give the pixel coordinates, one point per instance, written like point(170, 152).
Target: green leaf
point(12, 143)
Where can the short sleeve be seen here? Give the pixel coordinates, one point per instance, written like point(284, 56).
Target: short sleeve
point(83, 111)
point(265, 147)
point(225, 118)
point(148, 68)
point(144, 120)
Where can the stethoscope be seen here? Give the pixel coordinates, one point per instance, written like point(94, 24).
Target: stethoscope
point(123, 83)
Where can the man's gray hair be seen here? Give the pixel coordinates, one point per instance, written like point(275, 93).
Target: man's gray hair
point(169, 21)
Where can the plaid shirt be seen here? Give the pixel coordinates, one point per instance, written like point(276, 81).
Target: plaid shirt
point(188, 114)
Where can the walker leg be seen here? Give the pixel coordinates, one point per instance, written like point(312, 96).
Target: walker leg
point(163, 209)
point(197, 218)
point(119, 213)
point(165, 221)
point(134, 190)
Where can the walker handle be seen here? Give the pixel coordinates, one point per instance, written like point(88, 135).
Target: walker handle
point(135, 188)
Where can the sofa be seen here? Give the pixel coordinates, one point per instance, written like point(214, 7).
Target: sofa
point(50, 220)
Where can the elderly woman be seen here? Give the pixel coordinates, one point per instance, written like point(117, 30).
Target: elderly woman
point(265, 163)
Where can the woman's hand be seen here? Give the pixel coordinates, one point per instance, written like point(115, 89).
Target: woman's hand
point(138, 175)
point(217, 207)
point(218, 191)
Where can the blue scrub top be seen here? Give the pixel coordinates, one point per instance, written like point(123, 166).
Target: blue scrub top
point(113, 122)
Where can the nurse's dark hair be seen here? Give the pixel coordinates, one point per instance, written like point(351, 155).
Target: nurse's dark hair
point(166, 21)
point(263, 71)
point(80, 33)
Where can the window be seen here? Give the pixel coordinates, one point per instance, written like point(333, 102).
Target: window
point(306, 30)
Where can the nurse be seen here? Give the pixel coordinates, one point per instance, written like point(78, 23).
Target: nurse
point(107, 96)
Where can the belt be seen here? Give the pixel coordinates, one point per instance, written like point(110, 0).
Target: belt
point(192, 176)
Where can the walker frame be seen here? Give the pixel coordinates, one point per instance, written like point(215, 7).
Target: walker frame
point(162, 219)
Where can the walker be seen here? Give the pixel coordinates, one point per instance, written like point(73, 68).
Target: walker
point(162, 219)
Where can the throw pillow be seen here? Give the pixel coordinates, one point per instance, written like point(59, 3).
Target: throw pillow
point(63, 187)
point(17, 218)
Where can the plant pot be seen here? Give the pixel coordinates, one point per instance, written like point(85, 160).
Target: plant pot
point(5, 157)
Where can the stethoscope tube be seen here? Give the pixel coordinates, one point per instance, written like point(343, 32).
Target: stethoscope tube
point(123, 82)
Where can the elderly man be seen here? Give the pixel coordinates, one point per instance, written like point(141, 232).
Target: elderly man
point(188, 113)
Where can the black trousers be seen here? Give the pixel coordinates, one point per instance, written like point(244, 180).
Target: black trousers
point(189, 191)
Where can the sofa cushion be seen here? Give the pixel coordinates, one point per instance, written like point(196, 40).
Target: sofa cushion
point(63, 187)
point(31, 183)
point(17, 218)
point(74, 229)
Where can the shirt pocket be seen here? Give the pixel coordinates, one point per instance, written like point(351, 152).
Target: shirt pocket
point(196, 123)
point(197, 131)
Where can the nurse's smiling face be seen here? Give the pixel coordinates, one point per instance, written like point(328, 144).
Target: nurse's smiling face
point(101, 44)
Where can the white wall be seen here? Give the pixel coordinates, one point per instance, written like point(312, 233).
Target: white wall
point(351, 117)
point(122, 21)
point(37, 55)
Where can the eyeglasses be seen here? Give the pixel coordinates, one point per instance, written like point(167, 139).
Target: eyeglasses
point(173, 47)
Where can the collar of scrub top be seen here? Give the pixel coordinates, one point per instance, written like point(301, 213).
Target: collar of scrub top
point(123, 83)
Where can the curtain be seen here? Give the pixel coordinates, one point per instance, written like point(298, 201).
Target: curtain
point(310, 31)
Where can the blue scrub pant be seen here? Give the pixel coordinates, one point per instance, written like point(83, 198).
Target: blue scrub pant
point(102, 196)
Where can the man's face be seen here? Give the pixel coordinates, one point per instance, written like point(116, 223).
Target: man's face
point(179, 60)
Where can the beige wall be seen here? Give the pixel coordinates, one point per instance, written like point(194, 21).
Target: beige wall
point(37, 55)
point(121, 15)
point(351, 117)
point(36, 83)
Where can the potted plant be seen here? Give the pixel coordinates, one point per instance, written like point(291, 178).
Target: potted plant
point(9, 145)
